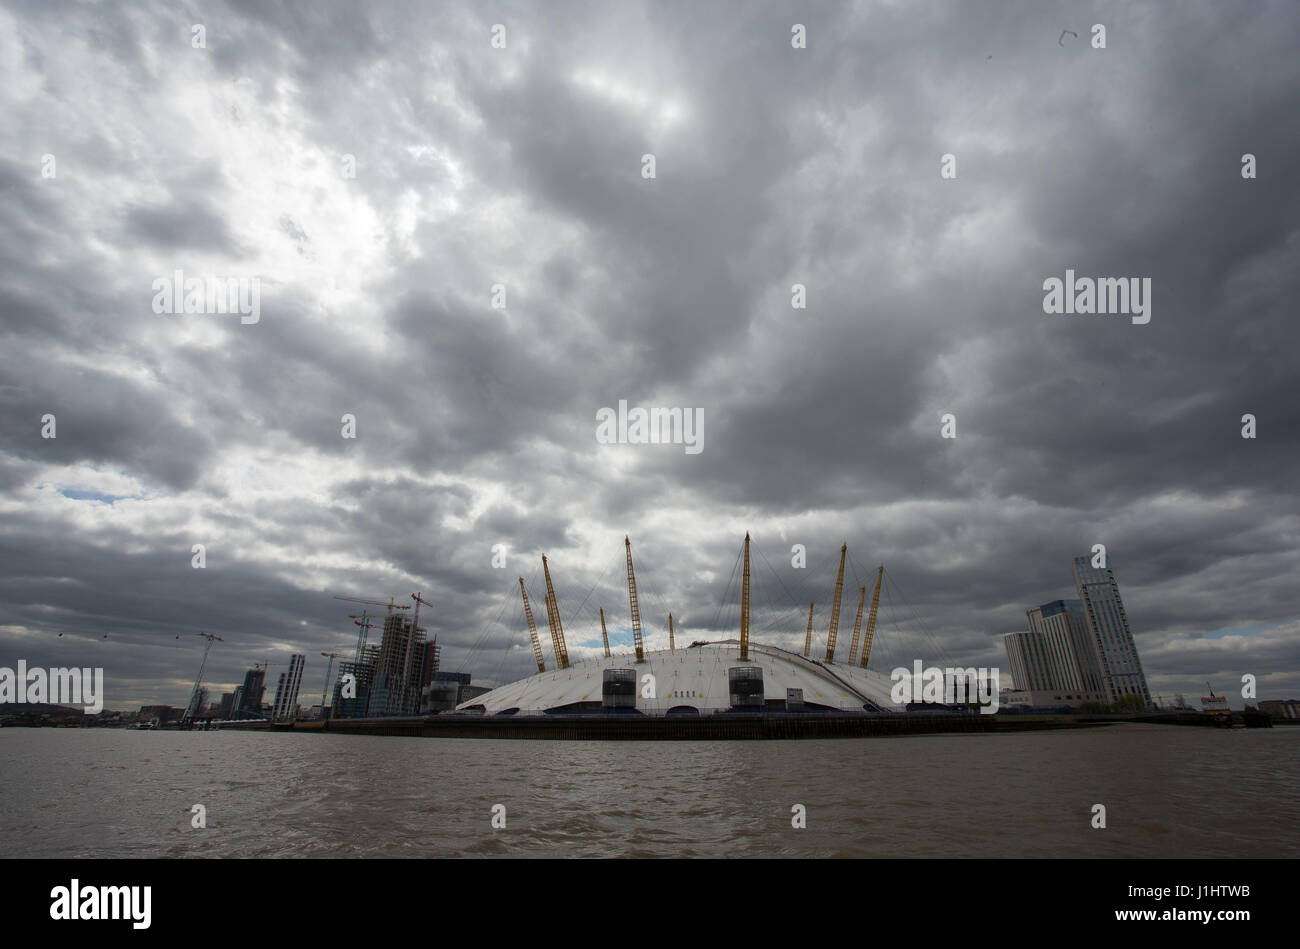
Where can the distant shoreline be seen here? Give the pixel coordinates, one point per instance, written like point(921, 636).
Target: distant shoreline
point(725, 726)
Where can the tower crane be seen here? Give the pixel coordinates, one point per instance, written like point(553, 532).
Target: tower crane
point(190, 709)
point(329, 669)
point(392, 603)
point(407, 679)
point(435, 650)
point(361, 619)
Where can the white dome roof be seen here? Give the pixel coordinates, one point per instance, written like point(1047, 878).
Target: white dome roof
point(696, 677)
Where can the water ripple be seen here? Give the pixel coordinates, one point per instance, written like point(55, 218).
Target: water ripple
point(1169, 792)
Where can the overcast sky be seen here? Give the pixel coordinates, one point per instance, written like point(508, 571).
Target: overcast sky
point(476, 425)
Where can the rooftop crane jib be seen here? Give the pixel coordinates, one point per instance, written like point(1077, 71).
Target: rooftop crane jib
point(636, 609)
point(391, 604)
point(744, 607)
point(835, 608)
point(553, 617)
point(871, 619)
point(532, 629)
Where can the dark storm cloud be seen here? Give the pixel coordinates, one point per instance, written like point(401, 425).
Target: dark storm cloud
point(101, 419)
point(178, 224)
point(476, 426)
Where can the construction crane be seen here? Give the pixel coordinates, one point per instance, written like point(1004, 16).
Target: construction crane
point(190, 709)
point(435, 663)
point(329, 669)
point(532, 630)
point(857, 628)
point(392, 603)
point(871, 619)
point(807, 639)
point(553, 617)
point(835, 608)
point(603, 635)
point(636, 609)
point(408, 682)
point(744, 607)
point(361, 619)
point(672, 644)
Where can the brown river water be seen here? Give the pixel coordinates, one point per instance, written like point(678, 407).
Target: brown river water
point(1168, 792)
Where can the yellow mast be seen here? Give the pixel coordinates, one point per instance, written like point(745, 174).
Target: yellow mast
point(532, 629)
point(835, 608)
point(871, 620)
point(744, 607)
point(553, 617)
point(807, 640)
point(604, 635)
point(857, 628)
point(636, 609)
point(671, 643)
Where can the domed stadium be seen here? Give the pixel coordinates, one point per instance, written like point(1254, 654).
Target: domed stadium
point(702, 679)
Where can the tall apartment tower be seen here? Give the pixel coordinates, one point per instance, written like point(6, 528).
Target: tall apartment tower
point(1110, 637)
point(286, 693)
point(1031, 663)
point(1065, 637)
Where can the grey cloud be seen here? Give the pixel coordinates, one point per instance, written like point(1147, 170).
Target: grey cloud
point(817, 166)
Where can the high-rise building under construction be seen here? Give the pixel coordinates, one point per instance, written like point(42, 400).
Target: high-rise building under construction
point(399, 670)
point(356, 704)
point(249, 704)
